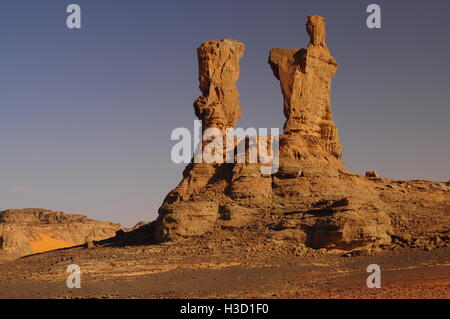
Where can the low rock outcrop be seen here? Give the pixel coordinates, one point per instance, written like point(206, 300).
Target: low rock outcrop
point(27, 231)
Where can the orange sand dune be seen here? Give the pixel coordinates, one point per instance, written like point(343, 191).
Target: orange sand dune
point(48, 243)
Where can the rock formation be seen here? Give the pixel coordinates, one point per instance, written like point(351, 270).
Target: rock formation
point(27, 231)
point(182, 212)
point(313, 199)
point(305, 77)
point(218, 64)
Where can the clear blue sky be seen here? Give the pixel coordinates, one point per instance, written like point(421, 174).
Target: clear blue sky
point(86, 115)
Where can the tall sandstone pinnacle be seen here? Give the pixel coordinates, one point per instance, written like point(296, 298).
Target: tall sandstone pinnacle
point(313, 199)
point(218, 63)
point(188, 210)
point(305, 77)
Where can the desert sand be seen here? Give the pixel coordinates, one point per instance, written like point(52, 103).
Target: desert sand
point(47, 243)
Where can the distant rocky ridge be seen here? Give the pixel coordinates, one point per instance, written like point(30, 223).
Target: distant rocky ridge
point(313, 199)
point(27, 231)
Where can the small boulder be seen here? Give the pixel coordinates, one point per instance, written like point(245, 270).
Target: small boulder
point(372, 174)
point(89, 242)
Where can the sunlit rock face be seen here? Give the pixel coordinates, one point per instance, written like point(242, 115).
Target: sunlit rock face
point(218, 64)
point(305, 77)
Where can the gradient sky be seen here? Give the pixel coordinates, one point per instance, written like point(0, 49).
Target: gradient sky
point(86, 115)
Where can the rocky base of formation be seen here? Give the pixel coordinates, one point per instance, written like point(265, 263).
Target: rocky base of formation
point(28, 231)
point(345, 212)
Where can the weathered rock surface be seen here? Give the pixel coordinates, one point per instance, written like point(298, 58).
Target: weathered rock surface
point(14, 242)
point(189, 218)
point(313, 199)
point(218, 63)
point(305, 77)
point(27, 231)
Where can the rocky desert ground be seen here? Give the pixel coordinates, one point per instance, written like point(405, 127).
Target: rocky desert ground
point(228, 268)
point(228, 230)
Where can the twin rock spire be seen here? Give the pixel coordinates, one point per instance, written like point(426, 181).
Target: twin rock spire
point(305, 77)
point(218, 196)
